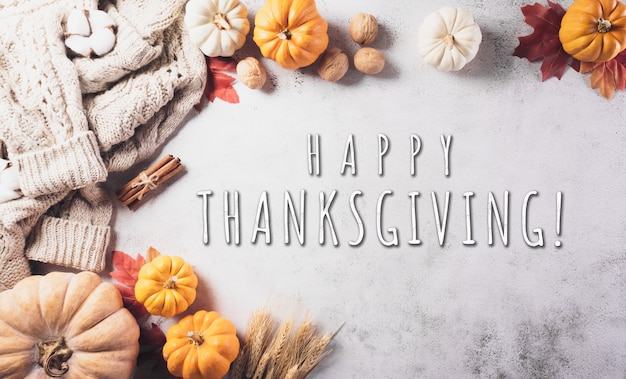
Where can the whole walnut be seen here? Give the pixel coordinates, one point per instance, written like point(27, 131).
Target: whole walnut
point(251, 73)
point(363, 28)
point(333, 65)
point(369, 60)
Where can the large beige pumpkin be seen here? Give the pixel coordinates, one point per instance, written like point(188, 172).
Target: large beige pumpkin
point(65, 325)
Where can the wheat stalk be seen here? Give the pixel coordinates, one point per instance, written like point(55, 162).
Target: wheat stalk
point(302, 337)
point(285, 353)
point(278, 350)
point(259, 331)
point(316, 354)
point(238, 367)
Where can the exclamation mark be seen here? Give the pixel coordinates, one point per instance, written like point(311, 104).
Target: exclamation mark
point(559, 209)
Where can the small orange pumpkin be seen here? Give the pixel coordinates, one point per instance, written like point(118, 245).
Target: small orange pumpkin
point(594, 30)
point(291, 32)
point(166, 285)
point(201, 346)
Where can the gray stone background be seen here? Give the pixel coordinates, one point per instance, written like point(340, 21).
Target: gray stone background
point(427, 311)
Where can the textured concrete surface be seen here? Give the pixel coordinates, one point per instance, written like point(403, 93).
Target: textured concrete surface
point(431, 310)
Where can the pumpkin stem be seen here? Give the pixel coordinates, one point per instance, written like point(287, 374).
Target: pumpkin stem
point(170, 283)
point(604, 25)
point(284, 34)
point(220, 20)
point(53, 356)
point(449, 40)
point(195, 338)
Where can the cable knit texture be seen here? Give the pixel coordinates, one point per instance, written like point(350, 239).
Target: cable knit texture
point(44, 127)
point(67, 123)
point(131, 52)
point(79, 223)
point(17, 219)
point(155, 101)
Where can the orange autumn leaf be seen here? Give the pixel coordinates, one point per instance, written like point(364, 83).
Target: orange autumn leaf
point(151, 254)
point(126, 268)
point(126, 272)
point(607, 76)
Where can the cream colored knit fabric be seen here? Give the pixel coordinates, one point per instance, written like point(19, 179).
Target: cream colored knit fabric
point(131, 120)
point(156, 99)
point(139, 29)
point(43, 130)
point(43, 123)
point(125, 104)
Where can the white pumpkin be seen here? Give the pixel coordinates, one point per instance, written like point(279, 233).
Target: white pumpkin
point(449, 39)
point(217, 27)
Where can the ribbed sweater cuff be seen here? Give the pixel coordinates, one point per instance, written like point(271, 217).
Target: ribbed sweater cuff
point(68, 243)
point(70, 165)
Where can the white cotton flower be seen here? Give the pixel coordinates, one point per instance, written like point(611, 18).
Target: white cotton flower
point(77, 23)
point(9, 183)
point(89, 33)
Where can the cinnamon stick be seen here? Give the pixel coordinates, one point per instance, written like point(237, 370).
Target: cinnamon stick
point(134, 191)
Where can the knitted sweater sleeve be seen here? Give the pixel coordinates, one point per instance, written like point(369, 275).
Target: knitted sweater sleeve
point(44, 127)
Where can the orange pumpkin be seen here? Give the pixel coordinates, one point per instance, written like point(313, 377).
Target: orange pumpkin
point(166, 285)
point(594, 30)
point(291, 32)
point(201, 346)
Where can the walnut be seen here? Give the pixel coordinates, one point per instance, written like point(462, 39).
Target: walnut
point(363, 28)
point(369, 60)
point(251, 73)
point(333, 65)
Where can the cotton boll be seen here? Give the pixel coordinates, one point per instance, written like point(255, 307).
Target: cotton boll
point(80, 45)
point(77, 24)
point(9, 182)
point(102, 41)
point(100, 20)
point(89, 33)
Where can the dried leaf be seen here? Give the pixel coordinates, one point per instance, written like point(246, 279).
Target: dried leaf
point(126, 268)
point(150, 364)
point(152, 337)
point(219, 84)
point(223, 88)
point(130, 302)
point(223, 64)
point(151, 254)
point(607, 76)
point(544, 42)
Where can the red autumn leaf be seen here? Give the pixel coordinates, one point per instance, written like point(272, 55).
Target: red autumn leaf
point(223, 64)
point(126, 268)
point(130, 302)
point(150, 364)
point(544, 42)
point(219, 84)
point(223, 88)
point(607, 76)
point(153, 337)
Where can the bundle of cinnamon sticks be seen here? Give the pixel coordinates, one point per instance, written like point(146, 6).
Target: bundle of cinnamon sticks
point(134, 191)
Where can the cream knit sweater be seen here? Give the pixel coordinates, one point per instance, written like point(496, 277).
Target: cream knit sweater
point(67, 122)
